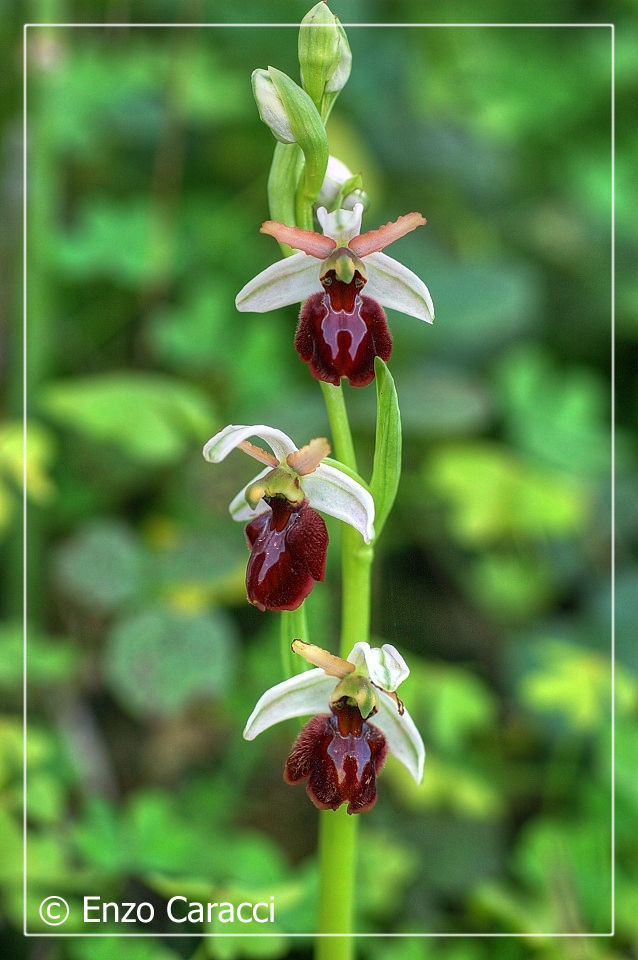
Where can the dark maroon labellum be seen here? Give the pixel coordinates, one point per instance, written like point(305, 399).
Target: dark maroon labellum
point(340, 754)
point(288, 546)
point(341, 331)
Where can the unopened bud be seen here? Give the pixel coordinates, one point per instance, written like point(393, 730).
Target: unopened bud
point(325, 59)
point(271, 109)
point(341, 189)
point(339, 78)
point(293, 118)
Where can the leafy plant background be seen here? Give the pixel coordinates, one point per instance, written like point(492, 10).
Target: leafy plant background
point(147, 176)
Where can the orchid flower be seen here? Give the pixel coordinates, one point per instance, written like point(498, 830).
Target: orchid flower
point(287, 538)
point(340, 329)
point(340, 752)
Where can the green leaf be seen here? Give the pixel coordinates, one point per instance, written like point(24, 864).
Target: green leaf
point(121, 240)
point(569, 854)
point(442, 400)
point(557, 416)
point(511, 585)
point(160, 660)
point(576, 683)
point(40, 448)
point(105, 948)
point(386, 468)
point(448, 786)
point(10, 848)
point(14, 470)
point(101, 567)
point(151, 418)
point(46, 799)
point(495, 495)
point(511, 910)
point(452, 703)
point(177, 331)
point(51, 660)
point(393, 864)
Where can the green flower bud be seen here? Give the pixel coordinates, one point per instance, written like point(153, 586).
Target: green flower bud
point(341, 189)
point(339, 78)
point(271, 109)
point(307, 128)
point(324, 57)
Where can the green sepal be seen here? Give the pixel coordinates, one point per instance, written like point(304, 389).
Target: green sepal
point(271, 110)
point(285, 170)
point(386, 469)
point(308, 130)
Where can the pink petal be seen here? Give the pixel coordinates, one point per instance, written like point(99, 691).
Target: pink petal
point(313, 244)
point(307, 459)
point(375, 240)
point(264, 456)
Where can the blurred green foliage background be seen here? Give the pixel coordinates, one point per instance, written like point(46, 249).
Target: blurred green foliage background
point(147, 175)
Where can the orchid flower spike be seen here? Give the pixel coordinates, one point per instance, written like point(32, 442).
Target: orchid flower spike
point(287, 538)
point(341, 330)
point(340, 752)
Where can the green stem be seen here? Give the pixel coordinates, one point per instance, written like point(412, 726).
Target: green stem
point(303, 208)
point(356, 568)
point(282, 185)
point(337, 829)
point(339, 424)
point(293, 625)
point(337, 858)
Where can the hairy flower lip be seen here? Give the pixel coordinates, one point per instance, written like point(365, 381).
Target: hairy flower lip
point(340, 755)
point(294, 279)
point(287, 555)
point(341, 332)
point(309, 693)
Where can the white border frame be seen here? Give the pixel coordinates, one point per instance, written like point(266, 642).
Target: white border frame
point(284, 934)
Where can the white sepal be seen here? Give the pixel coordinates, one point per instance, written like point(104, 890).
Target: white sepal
point(335, 493)
point(302, 695)
point(397, 287)
point(404, 740)
point(219, 446)
point(291, 280)
point(384, 665)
